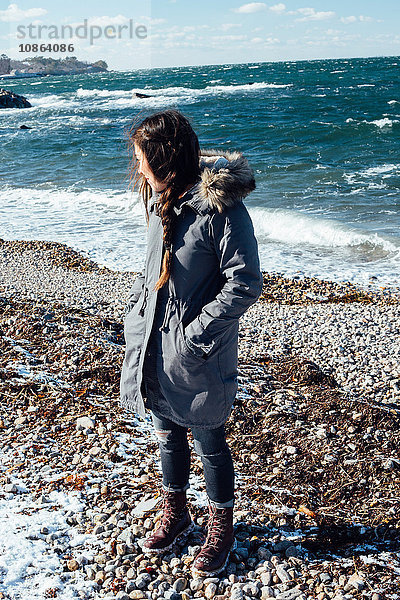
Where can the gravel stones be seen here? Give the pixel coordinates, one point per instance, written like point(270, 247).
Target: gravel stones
point(317, 398)
point(72, 564)
point(85, 423)
point(210, 590)
point(282, 574)
point(354, 582)
point(180, 584)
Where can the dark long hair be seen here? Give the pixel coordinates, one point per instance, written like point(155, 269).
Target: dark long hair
point(173, 152)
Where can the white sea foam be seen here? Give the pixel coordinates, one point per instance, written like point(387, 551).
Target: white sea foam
point(381, 123)
point(109, 226)
point(296, 228)
point(105, 224)
point(179, 90)
point(121, 201)
point(386, 168)
point(365, 175)
point(84, 93)
point(108, 99)
point(51, 101)
point(291, 242)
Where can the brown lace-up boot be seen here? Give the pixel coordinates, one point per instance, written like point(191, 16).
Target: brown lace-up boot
point(214, 555)
point(175, 526)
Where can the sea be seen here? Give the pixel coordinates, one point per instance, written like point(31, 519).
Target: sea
point(322, 137)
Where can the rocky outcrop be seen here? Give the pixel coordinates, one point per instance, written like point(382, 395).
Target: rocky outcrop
point(50, 66)
point(10, 100)
point(140, 95)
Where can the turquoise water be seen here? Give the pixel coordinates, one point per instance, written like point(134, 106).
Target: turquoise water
point(321, 136)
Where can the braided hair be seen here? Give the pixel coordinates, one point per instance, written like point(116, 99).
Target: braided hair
point(172, 150)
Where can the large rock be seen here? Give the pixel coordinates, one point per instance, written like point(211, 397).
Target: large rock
point(10, 100)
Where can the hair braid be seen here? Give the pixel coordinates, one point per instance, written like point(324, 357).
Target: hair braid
point(167, 215)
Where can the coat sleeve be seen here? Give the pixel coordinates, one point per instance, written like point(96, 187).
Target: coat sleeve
point(135, 291)
point(232, 236)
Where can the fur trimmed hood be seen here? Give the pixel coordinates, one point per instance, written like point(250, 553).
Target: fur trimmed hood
point(226, 178)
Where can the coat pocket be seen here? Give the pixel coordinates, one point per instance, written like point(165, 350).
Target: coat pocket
point(133, 327)
point(184, 345)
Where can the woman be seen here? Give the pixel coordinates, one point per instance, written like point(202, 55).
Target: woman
point(181, 326)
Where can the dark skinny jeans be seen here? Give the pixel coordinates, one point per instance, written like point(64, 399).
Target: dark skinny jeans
point(210, 445)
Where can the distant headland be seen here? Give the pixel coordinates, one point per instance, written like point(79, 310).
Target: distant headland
point(39, 66)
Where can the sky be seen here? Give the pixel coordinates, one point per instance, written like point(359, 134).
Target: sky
point(132, 34)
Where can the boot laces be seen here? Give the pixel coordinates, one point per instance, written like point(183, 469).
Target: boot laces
point(171, 512)
point(216, 529)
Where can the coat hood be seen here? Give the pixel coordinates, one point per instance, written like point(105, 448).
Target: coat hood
point(226, 178)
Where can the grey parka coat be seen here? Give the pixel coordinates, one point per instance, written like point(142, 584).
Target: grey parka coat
point(215, 277)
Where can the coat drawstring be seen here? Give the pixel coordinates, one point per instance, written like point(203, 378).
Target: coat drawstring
point(166, 314)
point(141, 311)
point(168, 309)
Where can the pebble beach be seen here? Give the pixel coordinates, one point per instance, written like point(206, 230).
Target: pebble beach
point(314, 433)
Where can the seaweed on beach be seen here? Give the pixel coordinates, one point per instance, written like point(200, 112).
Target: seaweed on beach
point(315, 446)
point(310, 290)
point(59, 255)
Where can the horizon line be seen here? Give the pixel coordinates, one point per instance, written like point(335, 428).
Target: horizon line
point(298, 60)
point(257, 62)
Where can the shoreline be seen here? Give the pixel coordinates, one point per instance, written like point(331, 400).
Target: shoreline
point(277, 287)
point(314, 434)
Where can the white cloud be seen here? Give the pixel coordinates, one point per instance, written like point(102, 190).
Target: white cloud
point(256, 40)
point(252, 7)
point(272, 41)
point(12, 36)
point(228, 26)
point(278, 8)
point(175, 34)
point(151, 21)
point(353, 19)
point(310, 14)
point(104, 21)
point(230, 38)
point(13, 13)
point(350, 19)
